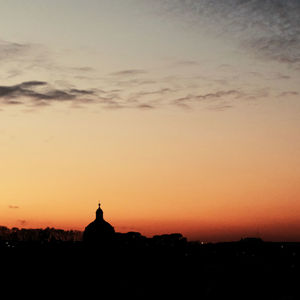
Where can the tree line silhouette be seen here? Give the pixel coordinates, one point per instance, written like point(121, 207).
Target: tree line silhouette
point(38, 235)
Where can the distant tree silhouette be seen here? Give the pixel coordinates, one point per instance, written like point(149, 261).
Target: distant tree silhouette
point(39, 235)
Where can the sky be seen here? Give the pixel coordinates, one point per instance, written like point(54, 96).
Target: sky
point(178, 116)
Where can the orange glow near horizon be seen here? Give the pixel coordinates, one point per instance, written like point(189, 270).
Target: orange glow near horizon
point(154, 174)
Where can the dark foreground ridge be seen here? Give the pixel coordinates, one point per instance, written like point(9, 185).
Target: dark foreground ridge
point(53, 263)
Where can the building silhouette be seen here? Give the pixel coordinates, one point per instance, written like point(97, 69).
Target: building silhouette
point(99, 231)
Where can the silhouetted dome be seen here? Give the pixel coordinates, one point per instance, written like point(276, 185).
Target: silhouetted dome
point(99, 231)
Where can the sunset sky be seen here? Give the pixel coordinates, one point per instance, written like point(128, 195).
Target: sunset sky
point(177, 115)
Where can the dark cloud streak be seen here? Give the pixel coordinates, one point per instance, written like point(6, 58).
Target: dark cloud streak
point(29, 89)
point(37, 94)
point(209, 96)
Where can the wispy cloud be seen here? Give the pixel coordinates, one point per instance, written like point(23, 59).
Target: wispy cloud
point(190, 99)
point(288, 93)
point(22, 222)
point(129, 88)
point(13, 206)
point(220, 107)
point(39, 93)
point(35, 94)
point(129, 72)
point(145, 106)
point(159, 92)
point(32, 58)
point(185, 63)
point(220, 100)
point(83, 69)
point(10, 50)
point(270, 28)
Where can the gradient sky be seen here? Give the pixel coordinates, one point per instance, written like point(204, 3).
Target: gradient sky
point(179, 116)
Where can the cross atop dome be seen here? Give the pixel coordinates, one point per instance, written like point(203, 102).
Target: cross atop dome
point(99, 213)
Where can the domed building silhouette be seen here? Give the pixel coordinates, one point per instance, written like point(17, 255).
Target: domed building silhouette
point(99, 231)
